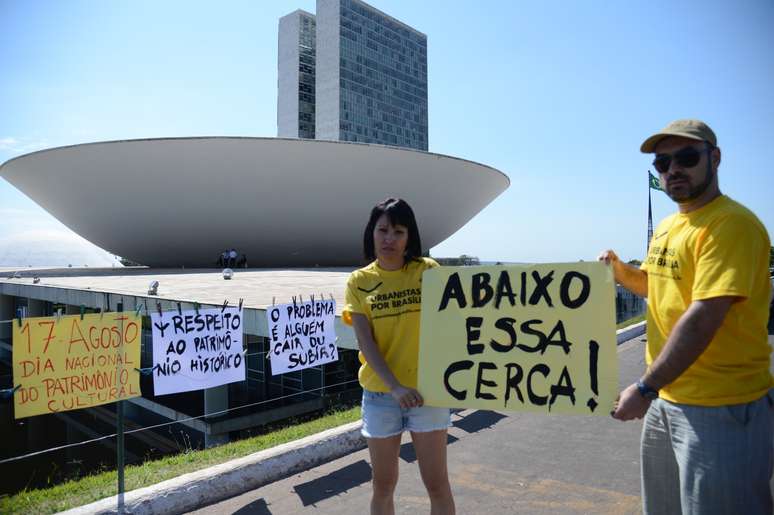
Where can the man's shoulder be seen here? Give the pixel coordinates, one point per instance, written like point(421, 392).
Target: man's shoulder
point(734, 216)
point(733, 207)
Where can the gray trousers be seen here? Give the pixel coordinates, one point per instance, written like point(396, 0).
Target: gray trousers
point(708, 460)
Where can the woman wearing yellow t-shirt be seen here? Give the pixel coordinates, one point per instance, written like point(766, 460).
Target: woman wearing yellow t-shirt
point(382, 304)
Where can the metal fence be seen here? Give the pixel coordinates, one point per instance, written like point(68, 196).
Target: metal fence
point(627, 305)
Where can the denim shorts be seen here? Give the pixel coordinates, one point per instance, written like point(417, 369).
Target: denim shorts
point(383, 417)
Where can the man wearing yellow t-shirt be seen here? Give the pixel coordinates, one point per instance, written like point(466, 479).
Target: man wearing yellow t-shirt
point(707, 437)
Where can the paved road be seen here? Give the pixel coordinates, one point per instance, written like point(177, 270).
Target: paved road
point(498, 463)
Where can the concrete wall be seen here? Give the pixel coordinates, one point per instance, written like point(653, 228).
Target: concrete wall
point(36, 307)
point(215, 400)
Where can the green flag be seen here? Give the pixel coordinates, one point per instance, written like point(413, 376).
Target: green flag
point(653, 182)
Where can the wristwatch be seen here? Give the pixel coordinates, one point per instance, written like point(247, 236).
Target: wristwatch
point(646, 391)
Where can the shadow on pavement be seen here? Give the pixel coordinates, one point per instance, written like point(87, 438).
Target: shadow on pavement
point(409, 455)
point(257, 507)
point(335, 483)
point(478, 420)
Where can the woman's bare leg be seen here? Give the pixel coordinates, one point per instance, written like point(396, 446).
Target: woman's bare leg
point(384, 463)
point(431, 455)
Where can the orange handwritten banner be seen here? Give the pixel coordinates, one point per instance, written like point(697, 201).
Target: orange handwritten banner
point(73, 363)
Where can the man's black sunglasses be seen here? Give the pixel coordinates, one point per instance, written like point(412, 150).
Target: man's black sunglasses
point(687, 157)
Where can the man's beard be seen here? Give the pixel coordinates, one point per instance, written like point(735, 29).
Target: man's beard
point(694, 192)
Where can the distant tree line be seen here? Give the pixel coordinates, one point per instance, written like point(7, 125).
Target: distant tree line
point(463, 260)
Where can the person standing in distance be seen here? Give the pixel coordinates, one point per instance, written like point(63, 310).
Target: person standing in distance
point(383, 306)
point(706, 442)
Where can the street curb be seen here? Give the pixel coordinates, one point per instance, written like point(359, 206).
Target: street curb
point(203, 487)
point(632, 331)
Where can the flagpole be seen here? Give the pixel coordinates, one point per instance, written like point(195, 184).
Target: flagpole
point(650, 217)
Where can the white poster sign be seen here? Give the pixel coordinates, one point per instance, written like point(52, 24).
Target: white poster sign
point(301, 335)
point(193, 351)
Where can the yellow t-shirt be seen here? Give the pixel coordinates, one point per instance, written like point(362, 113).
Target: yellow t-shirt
point(391, 301)
point(718, 250)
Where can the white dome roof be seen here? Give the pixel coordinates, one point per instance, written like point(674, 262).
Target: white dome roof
point(282, 202)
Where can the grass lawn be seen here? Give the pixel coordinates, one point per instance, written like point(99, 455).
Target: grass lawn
point(98, 486)
point(631, 321)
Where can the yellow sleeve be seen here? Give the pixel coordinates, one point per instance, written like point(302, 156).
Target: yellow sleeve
point(728, 258)
point(430, 263)
point(353, 302)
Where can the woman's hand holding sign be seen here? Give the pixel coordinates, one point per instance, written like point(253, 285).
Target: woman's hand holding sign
point(407, 397)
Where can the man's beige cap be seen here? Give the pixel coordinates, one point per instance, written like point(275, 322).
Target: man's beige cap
point(691, 129)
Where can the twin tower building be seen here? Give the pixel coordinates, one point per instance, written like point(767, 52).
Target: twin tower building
point(352, 73)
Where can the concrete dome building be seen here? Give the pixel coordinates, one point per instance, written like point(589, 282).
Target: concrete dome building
point(281, 202)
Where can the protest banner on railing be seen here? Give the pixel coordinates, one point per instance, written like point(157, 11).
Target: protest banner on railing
point(520, 338)
point(301, 335)
point(195, 350)
point(73, 362)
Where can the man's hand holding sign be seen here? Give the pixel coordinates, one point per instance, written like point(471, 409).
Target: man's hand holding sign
point(519, 338)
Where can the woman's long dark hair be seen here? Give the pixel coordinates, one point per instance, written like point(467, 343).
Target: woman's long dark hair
point(399, 213)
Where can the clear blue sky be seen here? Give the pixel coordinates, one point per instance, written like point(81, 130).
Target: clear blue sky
point(558, 95)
